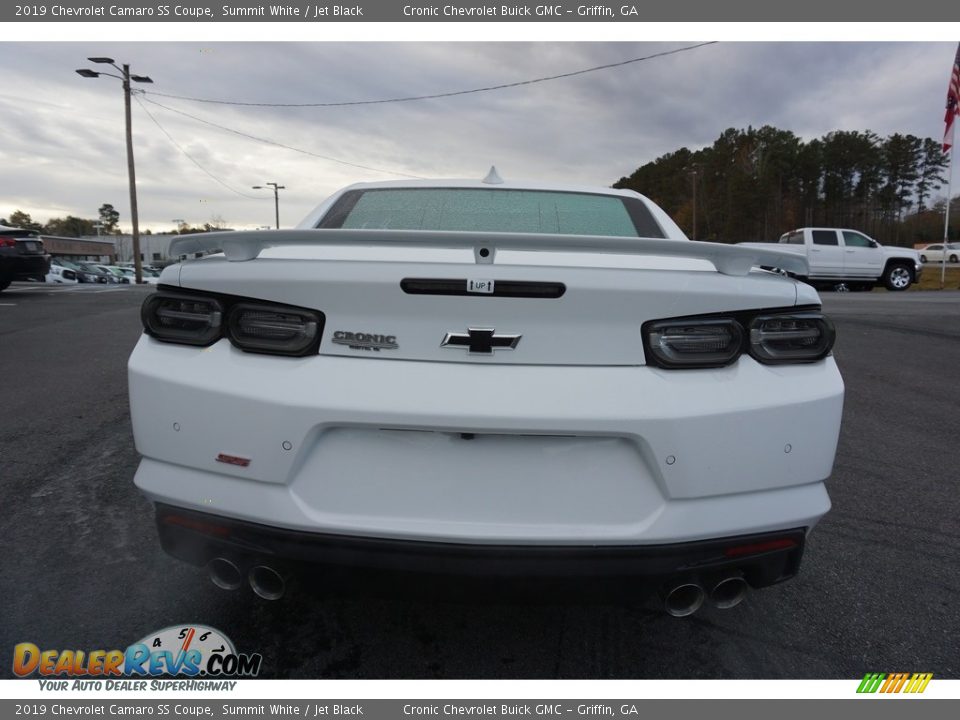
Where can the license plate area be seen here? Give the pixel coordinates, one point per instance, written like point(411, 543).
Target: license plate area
point(459, 484)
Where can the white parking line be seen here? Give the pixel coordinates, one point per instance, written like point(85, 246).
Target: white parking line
point(8, 304)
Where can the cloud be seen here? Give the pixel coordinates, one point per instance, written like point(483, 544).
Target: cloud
point(63, 139)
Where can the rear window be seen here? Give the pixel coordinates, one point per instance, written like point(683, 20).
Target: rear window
point(824, 237)
point(483, 210)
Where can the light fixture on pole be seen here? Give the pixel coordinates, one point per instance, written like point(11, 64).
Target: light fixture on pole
point(125, 77)
point(276, 197)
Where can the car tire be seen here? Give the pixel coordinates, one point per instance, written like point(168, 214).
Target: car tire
point(923, 258)
point(897, 277)
point(953, 258)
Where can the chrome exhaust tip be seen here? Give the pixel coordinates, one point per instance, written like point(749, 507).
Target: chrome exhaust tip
point(683, 599)
point(267, 582)
point(729, 592)
point(225, 574)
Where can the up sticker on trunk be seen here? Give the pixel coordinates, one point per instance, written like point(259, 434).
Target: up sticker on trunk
point(480, 286)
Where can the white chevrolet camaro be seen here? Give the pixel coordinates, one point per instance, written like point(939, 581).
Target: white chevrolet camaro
point(491, 378)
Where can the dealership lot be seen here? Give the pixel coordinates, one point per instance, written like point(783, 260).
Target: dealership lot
point(877, 592)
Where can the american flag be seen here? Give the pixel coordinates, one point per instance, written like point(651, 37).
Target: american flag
point(953, 101)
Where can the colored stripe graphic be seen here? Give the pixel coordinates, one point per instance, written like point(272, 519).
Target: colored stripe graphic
point(870, 682)
point(919, 682)
point(894, 682)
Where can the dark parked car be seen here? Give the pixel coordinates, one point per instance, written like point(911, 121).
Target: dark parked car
point(22, 256)
point(94, 269)
point(84, 274)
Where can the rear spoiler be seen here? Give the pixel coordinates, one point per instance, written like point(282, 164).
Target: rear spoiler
point(728, 259)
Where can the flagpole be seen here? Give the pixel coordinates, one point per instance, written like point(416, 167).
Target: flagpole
point(953, 112)
point(946, 213)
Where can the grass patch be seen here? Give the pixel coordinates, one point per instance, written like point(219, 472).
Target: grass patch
point(930, 279)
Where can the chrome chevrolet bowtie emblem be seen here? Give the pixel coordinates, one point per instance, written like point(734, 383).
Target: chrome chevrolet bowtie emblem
point(480, 341)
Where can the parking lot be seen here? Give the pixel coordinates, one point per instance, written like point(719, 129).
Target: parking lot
point(878, 591)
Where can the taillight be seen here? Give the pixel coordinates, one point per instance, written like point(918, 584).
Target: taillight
point(274, 329)
point(772, 337)
point(8, 242)
point(251, 326)
point(803, 337)
point(185, 319)
point(693, 342)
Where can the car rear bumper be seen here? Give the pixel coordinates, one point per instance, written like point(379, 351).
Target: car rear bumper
point(24, 267)
point(198, 538)
point(484, 455)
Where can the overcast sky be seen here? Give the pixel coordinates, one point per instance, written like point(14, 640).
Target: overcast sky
point(62, 144)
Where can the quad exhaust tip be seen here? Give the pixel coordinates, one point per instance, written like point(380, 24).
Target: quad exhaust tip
point(225, 574)
point(729, 592)
point(267, 582)
point(684, 599)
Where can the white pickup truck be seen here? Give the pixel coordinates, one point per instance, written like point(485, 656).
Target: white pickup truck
point(849, 260)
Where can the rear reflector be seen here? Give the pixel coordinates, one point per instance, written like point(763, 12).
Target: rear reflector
point(233, 460)
point(760, 547)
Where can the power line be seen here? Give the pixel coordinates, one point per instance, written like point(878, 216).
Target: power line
point(274, 143)
point(267, 141)
point(435, 96)
point(190, 157)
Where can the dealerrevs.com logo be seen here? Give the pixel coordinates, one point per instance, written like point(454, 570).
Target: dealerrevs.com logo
point(190, 651)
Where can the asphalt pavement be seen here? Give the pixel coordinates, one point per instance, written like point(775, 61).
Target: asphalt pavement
point(878, 590)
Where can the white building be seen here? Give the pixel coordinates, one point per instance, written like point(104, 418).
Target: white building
point(154, 249)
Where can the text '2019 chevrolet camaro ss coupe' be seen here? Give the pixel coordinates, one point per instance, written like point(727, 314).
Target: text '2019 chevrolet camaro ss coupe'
point(491, 379)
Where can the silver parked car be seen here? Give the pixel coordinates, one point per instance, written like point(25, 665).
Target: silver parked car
point(934, 253)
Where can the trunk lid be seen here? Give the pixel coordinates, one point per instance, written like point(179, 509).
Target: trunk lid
point(418, 304)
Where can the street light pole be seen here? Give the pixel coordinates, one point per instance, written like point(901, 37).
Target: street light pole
point(276, 197)
point(125, 78)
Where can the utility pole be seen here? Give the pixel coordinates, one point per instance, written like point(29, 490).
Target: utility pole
point(125, 78)
point(132, 175)
point(693, 183)
point(276, 197)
